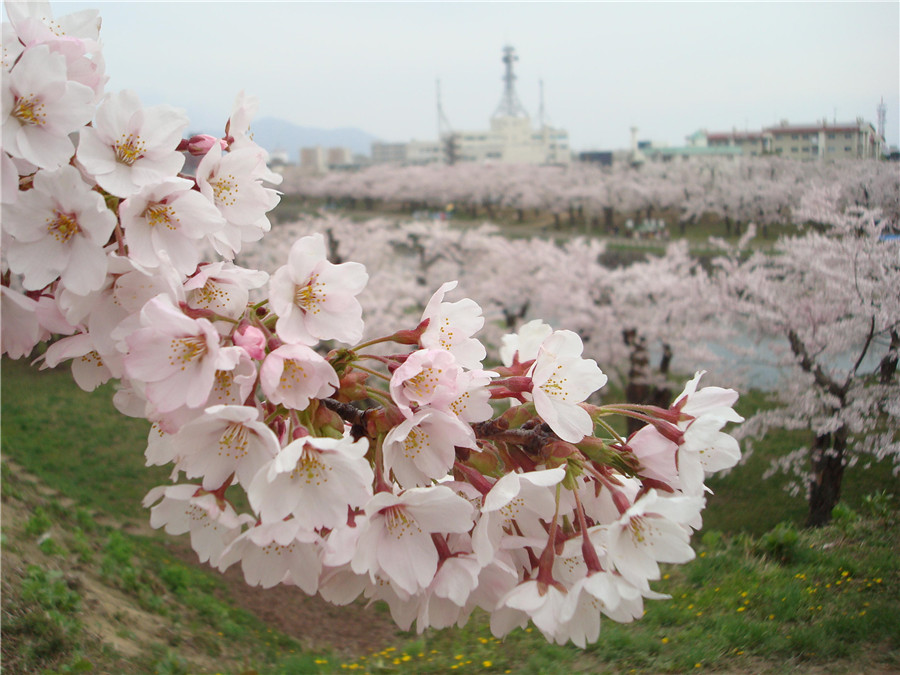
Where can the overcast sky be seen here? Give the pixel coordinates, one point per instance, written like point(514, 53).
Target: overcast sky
point(667, 68)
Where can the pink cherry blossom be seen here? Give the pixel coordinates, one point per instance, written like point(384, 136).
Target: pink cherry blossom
point(315, 299)
point(59, 229)
point(656, 454)
point(82, 25)
point(176, 356)
point(293, 374)
point(252, 340)
point(428, 377)
point(74, 36)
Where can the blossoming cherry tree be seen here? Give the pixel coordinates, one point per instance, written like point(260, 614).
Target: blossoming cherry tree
point(398, 467)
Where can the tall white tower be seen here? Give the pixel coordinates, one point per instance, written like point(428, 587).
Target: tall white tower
point(510, 106)
point(881, 112)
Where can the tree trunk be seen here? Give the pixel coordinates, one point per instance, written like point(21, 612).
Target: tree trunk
point(608, 215)
point(662, 396)
point(888, 365)
point(637, 390)
point(828, 472)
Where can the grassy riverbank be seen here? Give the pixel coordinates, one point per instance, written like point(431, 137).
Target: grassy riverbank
point(87, 585)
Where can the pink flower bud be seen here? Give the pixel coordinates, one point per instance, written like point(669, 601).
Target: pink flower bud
point(252, 340)
point(200, 144)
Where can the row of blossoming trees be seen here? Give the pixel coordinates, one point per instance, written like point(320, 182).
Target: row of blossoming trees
point(388, 458)
point(825, 303)
point(379, 458)
point(766, 190)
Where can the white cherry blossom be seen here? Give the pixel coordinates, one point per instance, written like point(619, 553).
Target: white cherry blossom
point(422, 448)
point(130, 146)
point(225, 440)
point(171, 217)
point(315, 299)
point(316, 479)
point(451, 326)
point(654, 529)
point(233, 181)
point(223, 287)
point(524, 345)
point(41, 107)
point(535, 600)
point(88, 368)
point(211, 522)
point(21, 329)
point(705, 448)
point(523, 498)
point(395, 541)
point(274, 553)
point(562, 379)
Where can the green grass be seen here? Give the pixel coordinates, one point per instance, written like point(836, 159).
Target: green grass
point(77, 442)
point(760, 597)
point(44, 601)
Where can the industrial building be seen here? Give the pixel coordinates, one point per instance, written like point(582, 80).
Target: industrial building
point(818, 140)
point(510, 138)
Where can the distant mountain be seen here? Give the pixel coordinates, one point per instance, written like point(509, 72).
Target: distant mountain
point(276, 134)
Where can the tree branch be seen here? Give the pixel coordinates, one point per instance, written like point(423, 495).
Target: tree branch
point(863, 353)
point(810, 366)
point(349, 413)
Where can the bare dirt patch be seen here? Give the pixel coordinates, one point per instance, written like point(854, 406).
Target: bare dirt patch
point(352, 631)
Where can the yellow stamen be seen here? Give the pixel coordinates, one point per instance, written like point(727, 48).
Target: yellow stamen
point(129, 149)
point(29, 110)
point(161, 214)
point(63, 226)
